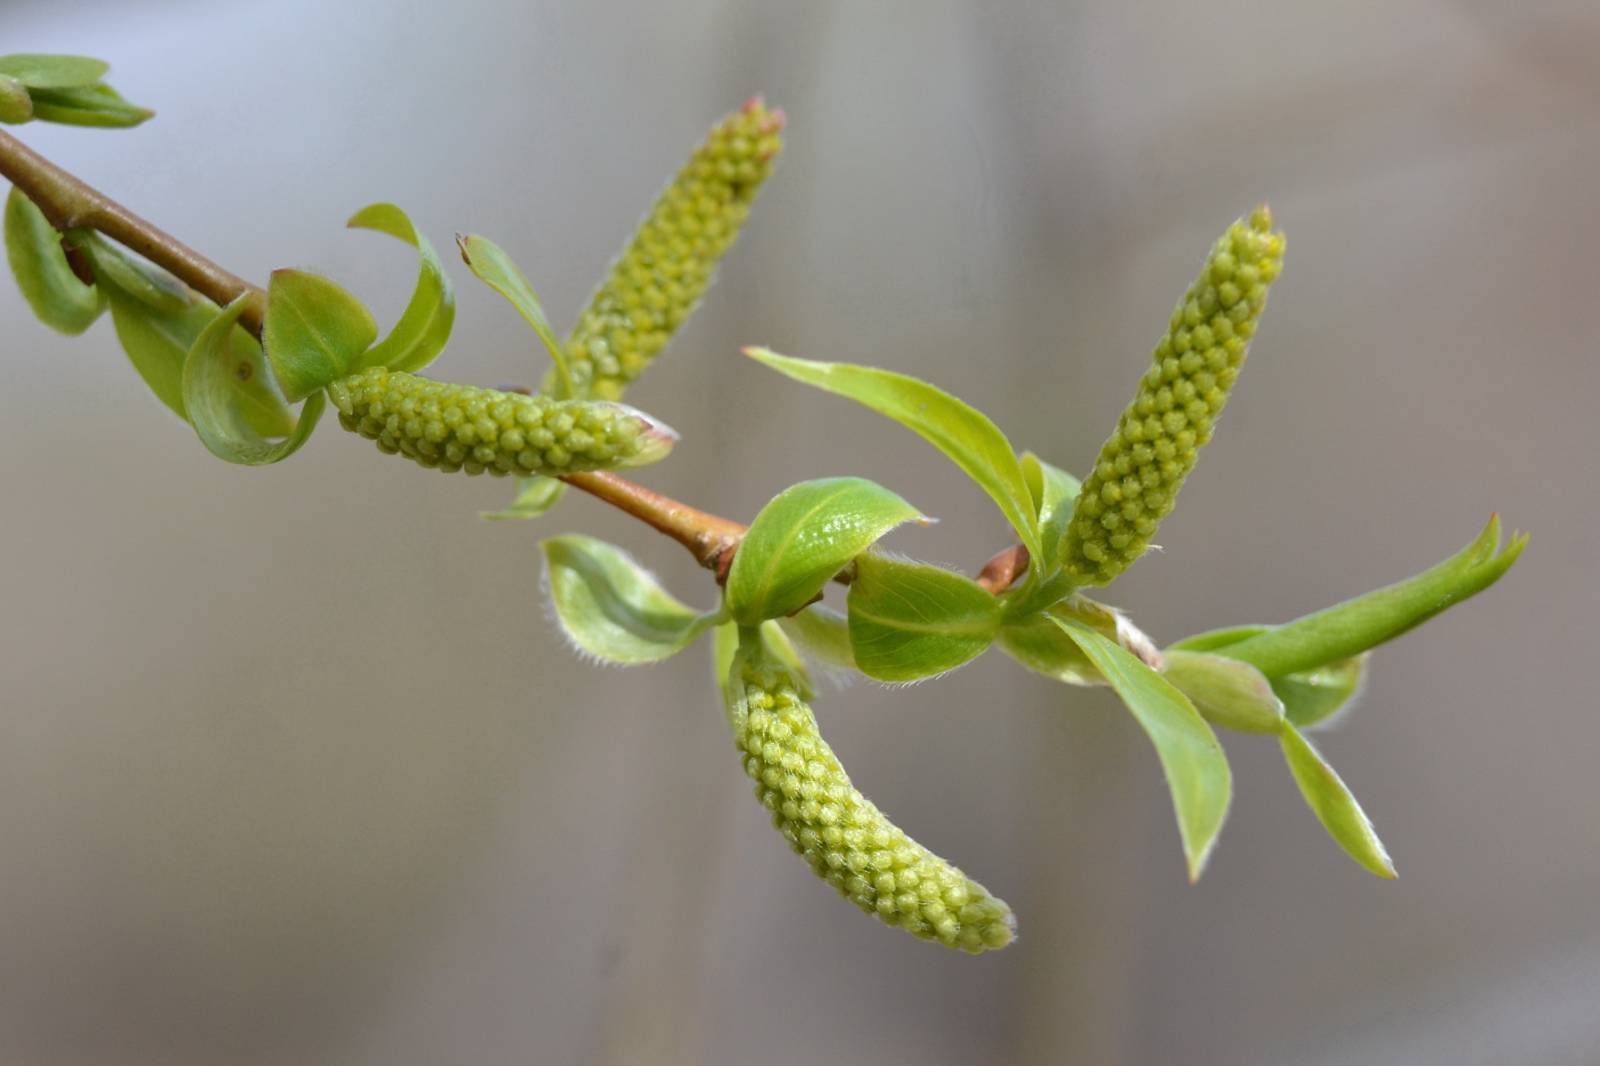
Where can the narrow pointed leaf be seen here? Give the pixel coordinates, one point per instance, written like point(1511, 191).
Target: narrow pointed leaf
point(497, 270)
point(1039, 644)
point(963, 433)
point(212, 402)
point(612, 608)
point(804, 536)
point(1054, 491)
point(39, 71)
point(424, 326)
point(909, 620)
point(1310, 697)
point(52, 290)
point(1330, 800)
point(1356, 625)
point(87, 105)
point(1196, 768)
point(315, 332)
point(1226, 692)
point(535, 496)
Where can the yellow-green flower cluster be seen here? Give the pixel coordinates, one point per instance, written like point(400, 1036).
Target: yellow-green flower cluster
point(847, 840)
point(1142, 466)
point(668, 265)
point(463, 427)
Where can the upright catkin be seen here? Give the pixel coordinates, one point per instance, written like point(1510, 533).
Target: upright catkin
point(463, 427)
point(1143, 464)
point(668, 264)
point(847, 840)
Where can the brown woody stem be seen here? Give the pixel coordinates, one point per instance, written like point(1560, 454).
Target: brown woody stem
point(69, 203)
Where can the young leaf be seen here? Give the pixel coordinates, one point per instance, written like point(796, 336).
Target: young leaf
point(424, 326)
point(1330, 800)
point(1315, 696)
point(87, 105)
point(1356, 625)
point(612, 608)
point(16, 106)
point(724, 649)
point(962, 433)
point(212, 402)
point(909, 620)
point(1226, 692)
point(823, 634)
point(53, 71)
point(314, 332)
point(1310, 696)
point(137, 276)
point(52, 290)
point(157, 342)
point(1196, 768)
point(535, 496)
point(805, 535)
point(1037, 643)
point(495, 268)
point(1054, 491)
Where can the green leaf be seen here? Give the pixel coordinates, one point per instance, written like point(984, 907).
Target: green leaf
point(909, 620)
point(424, 327)
point(157, 342)
point(88, 105)
point(535, 496)
point(1330, 800)
point(962, 433)
point(1309, 697)
point(780, 648)
point(1037, 643)
point(52, 290)
point(1226, 692)
point(137, 276)
point(1313, 697)
point(38, 71)
point(1356, 625)
point(612, 608)
point(1054, 491)
point(16, 106)
point(212, 402)
point(823, 634)
point(804, 536)
point(495, 268)
point(315, 332)
point(1196, 768)
point(724, 648)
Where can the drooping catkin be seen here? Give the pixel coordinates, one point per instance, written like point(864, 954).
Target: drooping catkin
point(848, 841)
point(668, 264)
point(1143, 464)
point(463, 427)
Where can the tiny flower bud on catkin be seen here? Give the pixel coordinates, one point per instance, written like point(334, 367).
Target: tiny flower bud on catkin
point(1143, 464)
point(463, 427)
point(668, 264)
point(848, 841)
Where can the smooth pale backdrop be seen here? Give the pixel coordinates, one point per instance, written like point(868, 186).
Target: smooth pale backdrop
point(295, 769)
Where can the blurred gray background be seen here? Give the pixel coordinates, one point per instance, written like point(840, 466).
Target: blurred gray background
point(295, 770)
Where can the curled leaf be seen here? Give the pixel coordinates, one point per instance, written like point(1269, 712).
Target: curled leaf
point(52, 290)
point(1054, 491)
point(804, 536)
point(612, 608)
point(314, 331)
point(497, 270)
point(910, 620)
point(212, 400)
point(1226, 692)
point(424, 326)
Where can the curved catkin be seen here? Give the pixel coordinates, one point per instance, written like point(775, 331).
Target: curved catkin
point(667, 266)
point(463, 427)
point(1142, 466)
point(847, 840)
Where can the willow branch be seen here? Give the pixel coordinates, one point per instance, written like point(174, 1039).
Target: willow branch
point(69, 203)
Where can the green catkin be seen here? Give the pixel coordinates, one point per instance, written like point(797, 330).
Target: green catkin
point(667, 266)
point(1142, 466)
point(463, 427)
point(847, 840)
